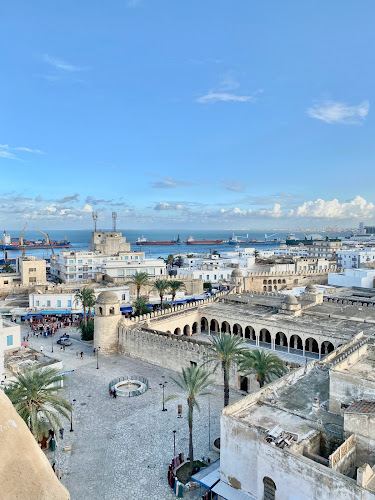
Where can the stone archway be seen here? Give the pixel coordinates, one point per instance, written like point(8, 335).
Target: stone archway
point(225, 327)
point(204, 325)
point(194, 328)
point(250, 335)
point(311, 348)
point(214, 326)
point(281, 342)
point(296, 345)
point(237, 329)
point(187, 330)
point(265, 338)
point(326, 348)
point(177, 331)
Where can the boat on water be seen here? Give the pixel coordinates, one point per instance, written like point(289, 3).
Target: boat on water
point(8, 243)
point(144, 241)
point(264, 242)
point(292, 239)
point(238, 240)
point(192, 241)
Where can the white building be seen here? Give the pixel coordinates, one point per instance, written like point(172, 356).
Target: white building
point(122, 266)
point(10, 339)
point(76, 266)
point(363, 278)
point(215, 268)
point(60, 302)
point(355, 258)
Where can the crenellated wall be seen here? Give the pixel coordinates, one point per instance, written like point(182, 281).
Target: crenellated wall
point(269, 281)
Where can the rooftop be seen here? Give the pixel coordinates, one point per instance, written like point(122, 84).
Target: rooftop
point(361, 407)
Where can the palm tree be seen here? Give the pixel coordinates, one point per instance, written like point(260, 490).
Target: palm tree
point(161, 286)
point(225, 350)
point(140, 306)
point(179, 261)
point(8, 268)
point(139, 279)
point(256, 253)
point(169, 260)
point(265, 365)
point(175, 286)
point(87, 297)
point(34, 396)
point(193, 380)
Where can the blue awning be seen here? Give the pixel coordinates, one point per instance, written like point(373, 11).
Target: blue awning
point(31, 315)
point(56, 312)
point(126, 309)
point(179, 302)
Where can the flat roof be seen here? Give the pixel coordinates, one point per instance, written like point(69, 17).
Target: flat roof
point(361, 407)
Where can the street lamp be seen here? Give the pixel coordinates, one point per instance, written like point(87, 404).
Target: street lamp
point(71, 415)
point(174, 444)
point(51, 341)
point(162, 385)
point(97, 357)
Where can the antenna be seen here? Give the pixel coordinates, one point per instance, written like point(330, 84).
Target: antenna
point(95, 219)
point(114, 217)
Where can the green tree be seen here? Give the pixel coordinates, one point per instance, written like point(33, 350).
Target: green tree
point(35, 398)
point(175, 286)
point(256, 253)
point(161, 286)
point(139, 279)
point(87, 297)
point(265, 365)
point(8, 268)
point(225, 350)
point(194, 381)
point(179, 261)
point(140, 306)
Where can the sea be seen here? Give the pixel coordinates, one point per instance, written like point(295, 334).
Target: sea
point(80, 239)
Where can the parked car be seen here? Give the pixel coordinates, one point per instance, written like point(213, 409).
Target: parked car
point(64, 336)
point(65, 342)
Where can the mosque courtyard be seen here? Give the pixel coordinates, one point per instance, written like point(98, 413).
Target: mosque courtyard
point(121, 448)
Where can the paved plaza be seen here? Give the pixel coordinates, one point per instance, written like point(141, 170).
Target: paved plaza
point(122, 447)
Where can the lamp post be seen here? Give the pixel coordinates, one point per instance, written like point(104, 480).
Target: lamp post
point(174, 444)
point(51, 341)
point(97, 357)
point(71, 415)
point(162, 385)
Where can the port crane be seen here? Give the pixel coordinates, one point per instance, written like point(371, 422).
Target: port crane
point(45, 234)
point(329, 233)
point(21, 241)
point(303, 232)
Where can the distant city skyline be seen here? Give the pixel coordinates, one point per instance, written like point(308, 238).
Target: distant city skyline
point(187, 115)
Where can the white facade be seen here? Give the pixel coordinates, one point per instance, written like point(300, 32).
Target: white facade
point(67, 301)
point(211, 275)
point(119, 267)
point(299, 251)
point(81, 265)
point(353, 277)
point(355, 258)
point(10, 339)
point(324, 249)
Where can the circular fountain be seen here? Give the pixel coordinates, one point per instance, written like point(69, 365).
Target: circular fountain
point(129, 386)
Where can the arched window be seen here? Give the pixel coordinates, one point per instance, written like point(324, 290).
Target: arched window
point(269, 489)
point(111, 310)
point(100, 311)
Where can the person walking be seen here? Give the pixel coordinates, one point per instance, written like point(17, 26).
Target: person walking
point(114, 394)
point(61, 431)
point(81, 354)
point(41, 349)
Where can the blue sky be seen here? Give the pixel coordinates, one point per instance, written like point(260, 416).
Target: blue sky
point(213, 114)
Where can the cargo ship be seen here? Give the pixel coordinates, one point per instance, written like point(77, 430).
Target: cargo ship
point(8, 243)
point(238, 240)
point(192, 241)
point(144, 241)
point(291, 239)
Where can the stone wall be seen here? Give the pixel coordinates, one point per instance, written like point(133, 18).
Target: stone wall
point(268, 282)
point(168, 351)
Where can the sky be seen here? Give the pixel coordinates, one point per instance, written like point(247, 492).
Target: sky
point(215, 114)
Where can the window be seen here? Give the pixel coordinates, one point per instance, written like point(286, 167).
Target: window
point(126, 257)
point(9, 340)
point(48, 303)
point(269, 489)
point(71, 276)
point(80, 261)
point(32, 270)
point(123, 296)
point(59, 303)
point(37, 302)
point(32, 280)
point(111, 310)
point(120, 272)
point(69, 303)
point(193, 363)
point(80, 276)
point(6, 282)
point(71, 262)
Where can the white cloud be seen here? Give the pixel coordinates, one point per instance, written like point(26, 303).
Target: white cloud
point(339, 112)
point(61, 65)
point(164, 205)
point(87, 208)
point(229, 82)
point(168, 182)
point(333, 209)
point(234, 185)
point(5, 151)
point(212, 97)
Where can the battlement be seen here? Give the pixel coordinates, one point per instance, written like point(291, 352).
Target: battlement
point(293, 273)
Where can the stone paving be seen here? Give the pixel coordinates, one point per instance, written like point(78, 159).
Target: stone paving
point(122, 447)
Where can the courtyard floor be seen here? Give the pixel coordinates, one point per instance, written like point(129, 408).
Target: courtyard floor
point(122, 447)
